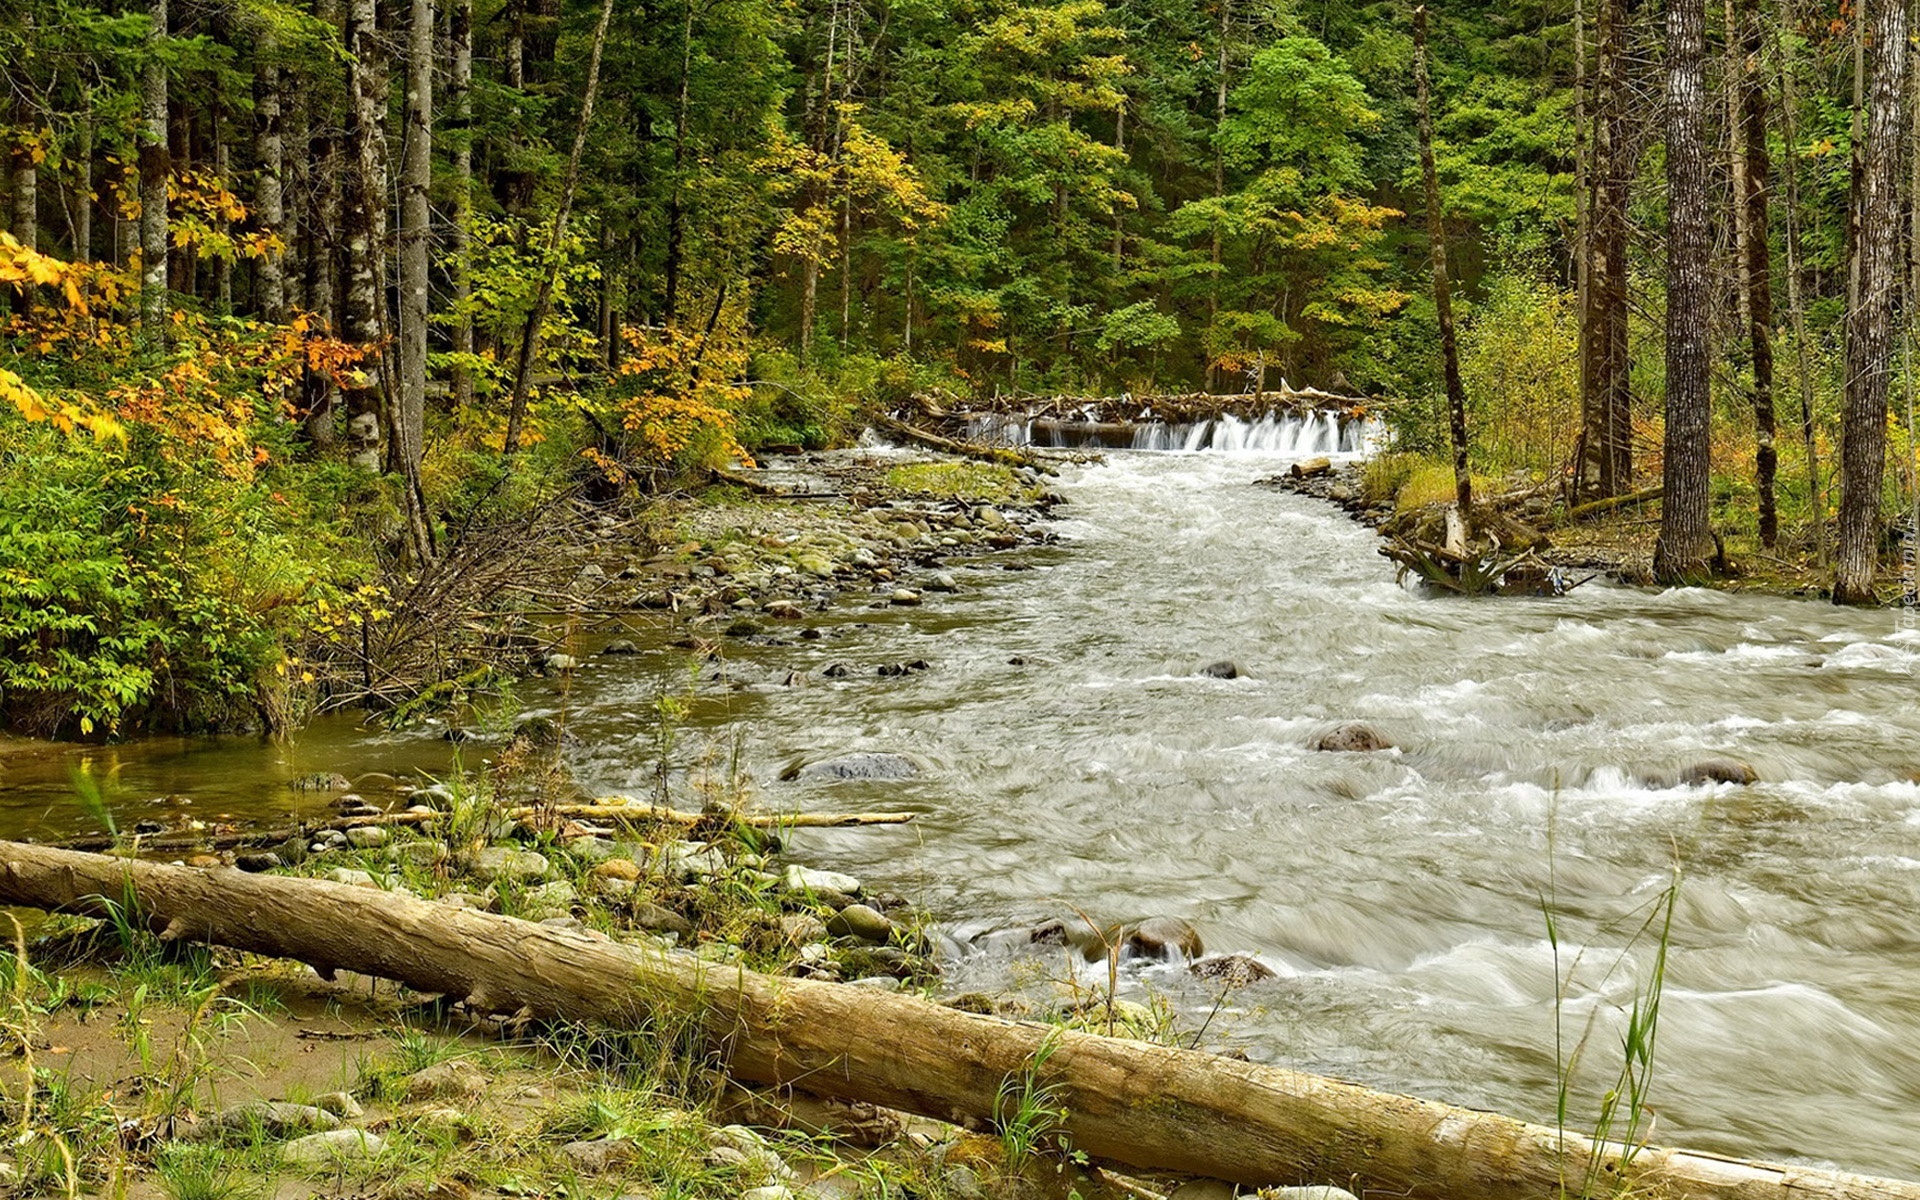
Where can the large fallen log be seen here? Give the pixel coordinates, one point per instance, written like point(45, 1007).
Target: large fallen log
point(1149, 1106)
point(933, 441)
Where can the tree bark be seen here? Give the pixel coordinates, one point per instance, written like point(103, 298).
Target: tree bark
point(416, 234)
point(364, 223)
point(1795, 304)
point(556, 239)
point(1442, 289)
point(1605, 465)
point(156, 164)
point(1149, 1106)
point(1757, 254)
point(1685, 545)
point(83, 198)
point(460, 236)
point(1876, 206)
point(269, 206)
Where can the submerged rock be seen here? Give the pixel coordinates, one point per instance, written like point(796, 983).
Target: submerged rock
point(1224, 669)
point(322, 781)
point(1719, 770)
point(1232, 970)
point(1353, 737)
point(856, 766)
point(1163, 938)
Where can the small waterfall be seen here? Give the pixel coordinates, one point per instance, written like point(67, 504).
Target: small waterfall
point(1291, 434)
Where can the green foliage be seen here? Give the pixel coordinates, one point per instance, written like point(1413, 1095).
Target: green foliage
point(1520, 362)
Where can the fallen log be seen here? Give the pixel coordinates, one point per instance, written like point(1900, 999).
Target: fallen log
point(1149, 1106)
point(1309, 467)
point(1595, 508)
point(933, 441)
point(620, 809)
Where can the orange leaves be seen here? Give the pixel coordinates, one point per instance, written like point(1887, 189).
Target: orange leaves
point(65, 416)
point(672, 399)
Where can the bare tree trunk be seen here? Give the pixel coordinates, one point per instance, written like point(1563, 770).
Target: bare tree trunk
point(1442, 290)
point(156, 164)
point(269, 191)
point(1683, 552)
point(530, 336)
point(1804, 357)
point(416, 235)
point(676, 216)
point(1870, 319)
point(1582, 199)
point(364, 221)
point(223, 169)
point(460, 237)
point(329, 173)
point(83, 199)
point(1737, 165)
point(1219, 189)
point(1757, 253)
point(1605, 466)
point(1148, 1106)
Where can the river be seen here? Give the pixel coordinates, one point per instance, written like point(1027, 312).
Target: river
point(1072, 758)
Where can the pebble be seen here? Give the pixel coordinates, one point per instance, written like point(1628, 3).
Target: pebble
point(265, 861)
point(367, 837)
point(455, 1079)
point(904, 598)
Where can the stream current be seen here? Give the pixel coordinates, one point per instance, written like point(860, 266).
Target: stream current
point(1072, 757)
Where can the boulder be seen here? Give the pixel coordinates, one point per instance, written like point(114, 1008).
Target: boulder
point(503, 862)
point(860, 921)
point(1353, 736)
point(1231, 970)
point(1224, 669)
point(1163, 938)
point(1718, 770)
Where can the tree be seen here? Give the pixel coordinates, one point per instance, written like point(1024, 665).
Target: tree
point(416, 231)
point(156, 167)
point(1605, 464)
point(1876, 266)
point(1442, 291)
point(1756, 254)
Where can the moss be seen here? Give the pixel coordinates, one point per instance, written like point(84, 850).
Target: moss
point(981, 483)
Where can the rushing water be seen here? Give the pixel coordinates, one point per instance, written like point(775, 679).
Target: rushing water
point(1399, 895)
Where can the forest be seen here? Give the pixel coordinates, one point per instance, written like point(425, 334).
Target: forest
point(298, 295)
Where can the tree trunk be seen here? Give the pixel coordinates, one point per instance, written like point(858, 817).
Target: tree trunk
point(1870, 318)
point(269, 207)
point(83, 183)
point(676, 216)
point(1605, 466)
point(1734, 95)
point(1219, 190)
point(530, 335)
point(156, 164)
point(1757, 254)
point(323, 261)
point(1153, 1107)
point(416, 234)
point(459, 241)
point(223, 170)
point(1795, 304)
point(364, 223)
point(26, 191)
point(1442, 289)
point(1682, 553)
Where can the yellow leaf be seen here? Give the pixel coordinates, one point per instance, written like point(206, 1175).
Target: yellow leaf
point(86, 724)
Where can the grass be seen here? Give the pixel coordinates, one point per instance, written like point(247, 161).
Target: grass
point(975, 482)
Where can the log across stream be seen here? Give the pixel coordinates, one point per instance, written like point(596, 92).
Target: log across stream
point(1143, 1105)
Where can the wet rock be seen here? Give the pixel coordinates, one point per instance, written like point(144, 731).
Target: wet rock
point(1231, 970)
point(367, 837)
point(856, 766)
point(1163, 938)
point(990, 517)
point(1224, 669)
point(502, 862)
point(258, 861)
point(943, 582)
point(802, 880)
point(784, 610)
point(620, 646)
point(455, 1079)
point(859, 921)
point(322, 781)
point(905, 597)
point(743, 628)
point(274, 1118)
point(540, 733)
point(599, 1155)
point(562, 663)
point(836, 671)
point(343, 1146)
point(1353, 736)
point(1718, 770)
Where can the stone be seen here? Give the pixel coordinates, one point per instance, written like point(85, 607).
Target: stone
point(256, 862)
point(836, 671)
point(442, 1119)
point(275, 1118)
point(1718, 770)
point(857, 766)
point(989, 517)
point(943, 582)
point(799, 879)
point(554, 899)
point(860, 921)
point(503, 862)
point(1231, 970)
point(616, 868)
point(322, 781)
point(599, 1155)
point(620, 646)
point(334, 1146)
point(351, 877)
point(593, 571)
point(1224, 669)
point(797, 929)
point(340, 1104)
point(420, 854)
point(367, 837)
point(655, 919)
point(905, 597)
point(1163, 938)
point(562, 662)
point(455, 1079)
point(1204, 1189)
point(785, 610)
point(1354, 737)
